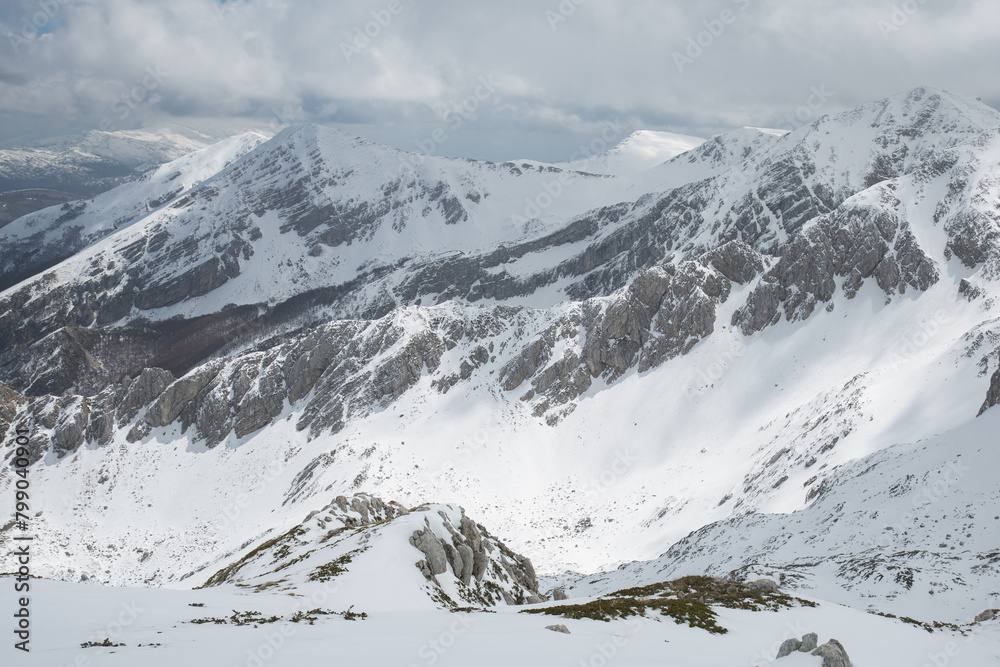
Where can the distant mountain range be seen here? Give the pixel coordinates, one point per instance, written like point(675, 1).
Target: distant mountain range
point(43, 173)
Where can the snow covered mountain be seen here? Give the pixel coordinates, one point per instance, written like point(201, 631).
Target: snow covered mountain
point(637, 152)
point(751, 358)
point(38, 241)
point(72, 167)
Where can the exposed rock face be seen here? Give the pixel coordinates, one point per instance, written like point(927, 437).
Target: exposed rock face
point(329, 542)
point(809, 642)
point(993, 394)
point(10, 402)
point(789, 646)
point(833, 654)
point(558, 628)
point(346, 369)
point(237, 398)
point(755, 192)
point(804, 645)
point(663, 313)
point(470, 551)
point(987, 615)
point(648, 274)
point(855, 242)
point(736, 261)
point(974, 239)
point(435, 560)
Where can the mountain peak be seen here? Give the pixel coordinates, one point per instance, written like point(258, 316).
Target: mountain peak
point(641, 150)
point(929, 110)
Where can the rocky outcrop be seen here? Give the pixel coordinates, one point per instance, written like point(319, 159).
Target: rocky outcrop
point(987, 615)
point(833, 654)
point(376, 362)
point(646, 275)
point(974, 238)
point(804, 645)
point(459, 556)
point(345, 369)
point(470, 551)
point(736, 261)
point(435, 560)
point(992, 394)
point(788, 647)
point(10, 403)
point(663, 313)
point(854, 243)
point(341, 517)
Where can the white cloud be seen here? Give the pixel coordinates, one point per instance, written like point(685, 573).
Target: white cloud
point(379, 62)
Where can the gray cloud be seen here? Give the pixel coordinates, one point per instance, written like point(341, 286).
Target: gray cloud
point(395, 70)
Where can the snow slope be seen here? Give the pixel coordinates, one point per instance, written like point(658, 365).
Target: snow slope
point(155, 628)
point(638, 151)
point(97, 160)
point(691, 368)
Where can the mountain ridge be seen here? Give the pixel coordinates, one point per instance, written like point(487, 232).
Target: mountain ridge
point(721, 336)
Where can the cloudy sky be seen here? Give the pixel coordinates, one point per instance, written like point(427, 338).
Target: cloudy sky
point(492, 80)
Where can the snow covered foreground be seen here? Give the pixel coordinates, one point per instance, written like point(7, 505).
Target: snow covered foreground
point(67, 615)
